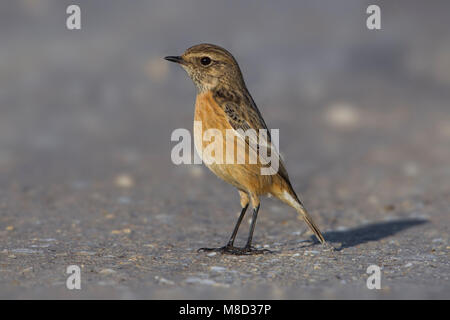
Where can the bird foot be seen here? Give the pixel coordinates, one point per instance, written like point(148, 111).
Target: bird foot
point(229, 249)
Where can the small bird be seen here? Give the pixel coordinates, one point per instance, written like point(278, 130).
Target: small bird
point(223, 103)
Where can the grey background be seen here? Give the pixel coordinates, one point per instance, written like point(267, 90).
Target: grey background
point(85, 170)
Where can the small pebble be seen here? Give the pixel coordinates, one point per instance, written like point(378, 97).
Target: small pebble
point(124, 200)
point(342, 116)
point(85, 253)
point(107, 271)
point(124, 181)
point(162, 280)
point(217, 269)
point(194, 280)
point(26, 270)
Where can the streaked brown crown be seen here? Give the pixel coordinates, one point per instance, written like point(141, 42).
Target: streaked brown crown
point(222, 68)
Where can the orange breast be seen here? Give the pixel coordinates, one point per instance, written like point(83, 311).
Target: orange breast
point(246, 176)
point(211, 117)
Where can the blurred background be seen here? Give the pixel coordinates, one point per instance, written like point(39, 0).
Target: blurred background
point(86, 117)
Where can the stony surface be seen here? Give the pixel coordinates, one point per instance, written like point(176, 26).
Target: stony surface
point(86, 177)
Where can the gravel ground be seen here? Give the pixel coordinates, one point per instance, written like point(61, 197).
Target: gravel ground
point(86, 177)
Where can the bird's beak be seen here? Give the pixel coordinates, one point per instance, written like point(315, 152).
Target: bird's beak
point(176, 59)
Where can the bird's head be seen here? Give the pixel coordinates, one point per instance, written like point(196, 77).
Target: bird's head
point(208, 66)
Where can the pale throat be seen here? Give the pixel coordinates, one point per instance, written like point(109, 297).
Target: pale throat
point(206, 83)
point(203, 83)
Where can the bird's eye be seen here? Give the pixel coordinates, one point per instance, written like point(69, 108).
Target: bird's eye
point(205, 61)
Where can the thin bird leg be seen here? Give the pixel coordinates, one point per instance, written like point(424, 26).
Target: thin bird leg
point(229, 248)
point(248, 247)
point(252, 227)
point(236, 227)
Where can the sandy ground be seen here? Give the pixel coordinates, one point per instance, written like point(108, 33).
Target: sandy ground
point(86, 177)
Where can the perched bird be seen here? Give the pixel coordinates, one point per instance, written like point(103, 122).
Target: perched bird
point(223, 103)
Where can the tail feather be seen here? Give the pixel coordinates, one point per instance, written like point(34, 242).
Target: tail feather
point(309, 221)
point(292, 199)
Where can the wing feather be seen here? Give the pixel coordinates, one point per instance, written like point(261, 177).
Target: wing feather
point(243, 115)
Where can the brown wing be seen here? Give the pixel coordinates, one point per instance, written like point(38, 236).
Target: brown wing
point(242, 115)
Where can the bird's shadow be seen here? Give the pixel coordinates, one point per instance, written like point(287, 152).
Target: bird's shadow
point(371, 232)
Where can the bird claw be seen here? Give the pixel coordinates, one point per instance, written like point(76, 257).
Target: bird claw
point(328, 247)
point(228, 249)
